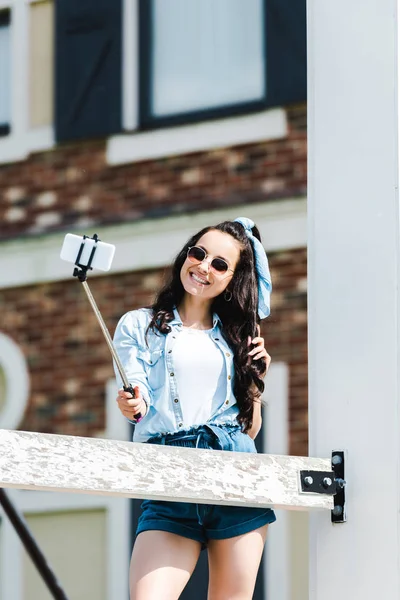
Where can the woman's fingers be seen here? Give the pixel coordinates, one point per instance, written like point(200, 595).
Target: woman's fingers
point(128, 405)
point(259, 351)
point(123, 394)
point(132, 406)
point(259, 345)
point(263, 355)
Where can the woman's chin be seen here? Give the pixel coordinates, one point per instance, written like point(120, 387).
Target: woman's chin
point(195, 290)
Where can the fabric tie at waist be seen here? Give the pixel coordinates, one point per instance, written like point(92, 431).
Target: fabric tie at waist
point(205, 436)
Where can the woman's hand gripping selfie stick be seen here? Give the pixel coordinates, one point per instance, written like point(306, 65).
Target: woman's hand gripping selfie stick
point(87, 254)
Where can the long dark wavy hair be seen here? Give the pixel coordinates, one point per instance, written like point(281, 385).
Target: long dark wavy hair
point(239, 316)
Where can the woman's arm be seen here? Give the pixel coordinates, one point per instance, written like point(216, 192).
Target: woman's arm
point(128, 338)
point(258, 352)
point(257, 419)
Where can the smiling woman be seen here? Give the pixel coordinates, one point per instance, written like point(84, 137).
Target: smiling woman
point(209, 266)
point(196, 364)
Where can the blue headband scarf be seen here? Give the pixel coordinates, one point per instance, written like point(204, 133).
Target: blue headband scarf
point(262, 269)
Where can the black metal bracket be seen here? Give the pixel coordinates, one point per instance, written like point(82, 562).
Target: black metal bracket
point(329, 482)
point(81, 271)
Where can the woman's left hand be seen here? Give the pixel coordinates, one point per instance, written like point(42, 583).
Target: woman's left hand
point(259, 350)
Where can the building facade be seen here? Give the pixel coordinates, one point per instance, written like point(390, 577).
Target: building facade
point(143, 125)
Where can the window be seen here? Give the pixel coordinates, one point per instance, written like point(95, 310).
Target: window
point(197, 60)
point(201, 58)
point(212, 58)
point(5, 72)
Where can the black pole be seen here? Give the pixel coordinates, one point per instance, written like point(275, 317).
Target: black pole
point(31, 547)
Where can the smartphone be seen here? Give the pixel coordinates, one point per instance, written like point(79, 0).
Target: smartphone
point(102, 258)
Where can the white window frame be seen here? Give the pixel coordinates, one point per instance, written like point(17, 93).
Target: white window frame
point(17, 383)
point(277, 558)
point(22, 139)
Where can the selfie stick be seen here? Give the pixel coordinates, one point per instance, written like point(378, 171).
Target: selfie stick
point(80, 272)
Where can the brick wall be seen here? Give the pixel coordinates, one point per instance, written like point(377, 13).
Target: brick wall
point(69, 361)
point(72, 186)
point(286, 337)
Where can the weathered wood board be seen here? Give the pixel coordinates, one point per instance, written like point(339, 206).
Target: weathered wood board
point(46, 462)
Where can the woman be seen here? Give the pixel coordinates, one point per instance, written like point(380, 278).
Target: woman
point(196, 362)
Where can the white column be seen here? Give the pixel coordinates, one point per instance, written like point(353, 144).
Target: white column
point(277, 564)
point(353, 290)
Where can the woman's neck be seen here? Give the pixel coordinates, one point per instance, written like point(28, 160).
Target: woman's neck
point(195, 314)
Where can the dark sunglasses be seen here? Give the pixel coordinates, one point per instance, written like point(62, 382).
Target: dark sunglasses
point(197, 255)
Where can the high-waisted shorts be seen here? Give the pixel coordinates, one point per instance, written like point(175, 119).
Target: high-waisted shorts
point(202, 522)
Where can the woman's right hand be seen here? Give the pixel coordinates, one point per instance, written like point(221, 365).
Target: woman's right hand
point(130, 406)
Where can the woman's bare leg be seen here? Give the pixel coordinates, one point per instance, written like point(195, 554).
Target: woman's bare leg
point(234, 564)
point(161, 565)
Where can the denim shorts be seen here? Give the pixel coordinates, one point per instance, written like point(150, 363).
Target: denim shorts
point(202, 522)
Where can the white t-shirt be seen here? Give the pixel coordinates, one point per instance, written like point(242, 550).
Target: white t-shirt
point(200, 375)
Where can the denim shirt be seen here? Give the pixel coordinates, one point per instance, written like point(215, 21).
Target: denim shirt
point(150, 365)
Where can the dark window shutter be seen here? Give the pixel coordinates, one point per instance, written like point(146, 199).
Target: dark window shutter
point(88, 94)
point(286, 25)
point(5, 21)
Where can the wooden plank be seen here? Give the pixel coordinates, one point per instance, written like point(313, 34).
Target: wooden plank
point(38, 461)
